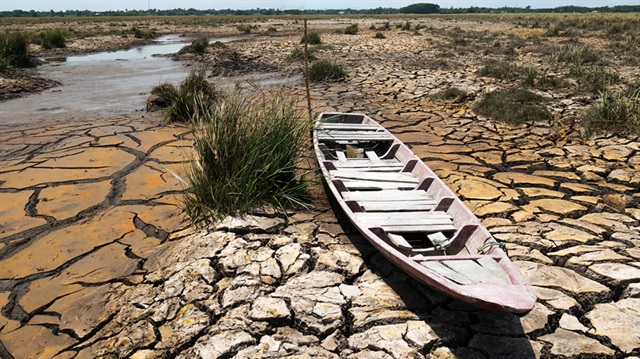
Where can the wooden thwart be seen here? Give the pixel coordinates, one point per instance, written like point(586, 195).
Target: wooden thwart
point(427, 228)
point(347, 126)
point(388, 195)
point(484, 270)
point(367, 176)
point(376, 185)
point(397, 206)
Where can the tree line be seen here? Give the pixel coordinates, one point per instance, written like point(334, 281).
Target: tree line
point(421, 8)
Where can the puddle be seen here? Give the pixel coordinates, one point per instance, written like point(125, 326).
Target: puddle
point(116, 82)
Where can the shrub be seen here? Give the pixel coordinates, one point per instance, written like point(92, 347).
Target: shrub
point(248, 148)
point(386, 26)
point(312, 38)
point(244, 28)
point(162, 96)
point(501, 70)
point(194, 94)
point(530, 75)
point(452, 93)
point(514, 106)
point(52, 39)
point(198, 46)
point(297, 54)
point(577, 55)
point(379, 35)
point(615, 113)
point(14, 50)
point(406, 26)
point(325, 70)
point(372, 27)
point(142, 34)
point(352, 29)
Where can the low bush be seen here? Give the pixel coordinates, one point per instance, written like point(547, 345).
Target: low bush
point(513, 106)
point(162, 96)
point(379, 35)
point(297, 54)
point(248, 148)
point(385, 27)
point(244, 28)
point(198, 46)
point(452, 93)
point(51, 39)
point(406, 26)
point(617, 113)
point(194, 94)
point(351, 29)
point(325, 70)
point(14, 50)
point(312, 38)
point(501, 70)
point(139, 33)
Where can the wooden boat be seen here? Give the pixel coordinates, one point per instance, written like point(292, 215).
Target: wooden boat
point(412, 217)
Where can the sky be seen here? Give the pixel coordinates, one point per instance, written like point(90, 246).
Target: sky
point(102, 5)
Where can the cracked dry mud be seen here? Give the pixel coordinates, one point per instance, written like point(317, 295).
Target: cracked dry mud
point(98, 263)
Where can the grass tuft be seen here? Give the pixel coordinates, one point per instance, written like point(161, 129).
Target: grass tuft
point(51, 39)
point(297, 54)
point(451, 94)
point(379, 35)
point(351, 29)
point(325, 70)
point(14, 50)
point(615, 112)
point(312, 38)
point(198, 46)
point(194, 93)
point(500, 69)
point(244, 28)
point(513, 106)
point(248, 148)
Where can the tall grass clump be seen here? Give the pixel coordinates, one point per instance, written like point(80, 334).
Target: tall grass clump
point(615, 112)
point(249, 146)
point(351, 29)
point(244, 28)
point(326, 70)
point(198, 46)
point(312, 38)
point(194, 93)
point(500, 69)
point(513, 106)
point(14, 50)
point(52, 39)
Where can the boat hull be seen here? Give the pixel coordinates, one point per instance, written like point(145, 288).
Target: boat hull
point(410, 216)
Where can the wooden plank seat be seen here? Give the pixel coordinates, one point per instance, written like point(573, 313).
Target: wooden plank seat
point(347, 126)
point(399, 222)
point(468, 271)
point(380, 177)
point(356, 185)
point(397, 206)
point(389, 195)
point(353, 136)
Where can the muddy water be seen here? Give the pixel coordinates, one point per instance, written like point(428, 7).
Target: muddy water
point(101, 83)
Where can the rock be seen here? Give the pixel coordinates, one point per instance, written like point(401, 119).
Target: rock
point(555, 298)
point(219, 343)
point(187, 324)
point(536, 319)
point(552, 276)
point(478, 189)
point(266, 308)
point(558, 206)
point(619, 321)
point(569, 322)
point(597, 256)
point(501, 347)
point(389, 338)
point(518, 179)
point(567, 343)
point(616, 271)
point(250, 223)
point(561, 235)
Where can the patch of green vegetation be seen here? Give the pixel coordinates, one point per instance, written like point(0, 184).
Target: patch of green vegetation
point(514, 106)
point(451, 94)
point(406, 26)
point(351, 29)
point(297, 54)
point(162, 96)
point(385, 27)
point(51, 38)
point(577, 55)
point(139, 33)
point(615, 112)
point(379, 35)
point(249, 146)
point(244, 28)
point(14, 50)
point(194, 94)
point(326, 70)
point(312, 38)
point(198, 46)
point(500, 69)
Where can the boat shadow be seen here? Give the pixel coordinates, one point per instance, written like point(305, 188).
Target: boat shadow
point(465, 329)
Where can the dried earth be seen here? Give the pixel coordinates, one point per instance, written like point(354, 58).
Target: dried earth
point(96, 260)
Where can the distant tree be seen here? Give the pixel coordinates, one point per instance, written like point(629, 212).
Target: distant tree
point(421, 8)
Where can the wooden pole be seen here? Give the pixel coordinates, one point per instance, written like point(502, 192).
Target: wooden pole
point(306, 67)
